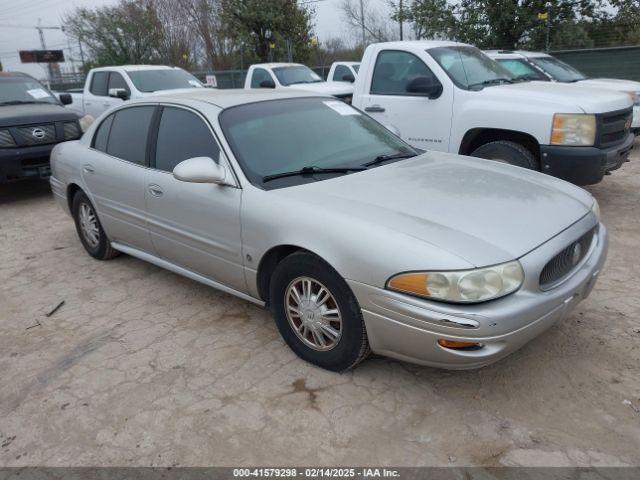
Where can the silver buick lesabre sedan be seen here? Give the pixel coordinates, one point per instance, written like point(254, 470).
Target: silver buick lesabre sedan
point(354, 240)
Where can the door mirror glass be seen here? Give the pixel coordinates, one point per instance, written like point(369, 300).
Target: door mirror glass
point(426, 86)
point(120, 93)
point(348, 78)
point(200, 170)
point(267, 84)
point(65, 98)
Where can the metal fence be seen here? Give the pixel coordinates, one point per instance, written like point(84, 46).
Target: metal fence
point(611, 62)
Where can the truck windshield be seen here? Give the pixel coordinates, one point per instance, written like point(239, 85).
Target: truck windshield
point(19, 90)
point(255, 132)
point(295, 75)
point(155, 80)
point(469, 68)
point(560, 71)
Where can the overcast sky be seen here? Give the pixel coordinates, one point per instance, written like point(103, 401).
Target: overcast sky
point(19, 17)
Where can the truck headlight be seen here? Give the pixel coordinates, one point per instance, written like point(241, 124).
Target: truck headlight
point(461, 286)
point(85, 122)
point(573, 129)
point(635, 97)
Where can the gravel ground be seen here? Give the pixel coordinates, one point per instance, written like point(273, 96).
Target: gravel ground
point(143, 367)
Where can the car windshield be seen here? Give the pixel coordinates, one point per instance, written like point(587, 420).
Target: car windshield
point(296, 74)
point(560, 71)
point(155, 80)
point(278, 136)
point(356, 67)
point(19, 90)
point(522, 69)
point(469, 68)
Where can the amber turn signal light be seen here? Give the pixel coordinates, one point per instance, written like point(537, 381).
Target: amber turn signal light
point(458, 345)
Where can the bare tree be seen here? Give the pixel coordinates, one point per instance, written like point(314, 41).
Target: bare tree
point(178, 43)
point(376, 25)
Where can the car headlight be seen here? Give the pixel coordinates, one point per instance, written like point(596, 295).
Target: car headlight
point(635, 97)
point(574, 129)
point(595, 208)
point(461, 286)
point(85, 122)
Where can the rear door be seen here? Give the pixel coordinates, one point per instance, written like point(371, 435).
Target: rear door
point(193, 225)
point(115, 171)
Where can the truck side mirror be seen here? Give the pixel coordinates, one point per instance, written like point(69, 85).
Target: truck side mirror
point(348, 78)
point(65, 98)
point(425, 86)
point(120, 93)
point(267, 84)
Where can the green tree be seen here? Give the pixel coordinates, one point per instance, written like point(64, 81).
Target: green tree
point(259, 25)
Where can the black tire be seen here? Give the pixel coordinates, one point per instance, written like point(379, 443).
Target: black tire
point(102, 250)
point(352, 346)
point(510, 152)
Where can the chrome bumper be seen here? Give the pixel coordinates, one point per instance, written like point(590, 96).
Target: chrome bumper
point(408, 328)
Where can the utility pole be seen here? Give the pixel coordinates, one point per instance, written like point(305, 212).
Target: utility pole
point(43, 45)
point(400, 19)
point(81, 54)
point(362, 19)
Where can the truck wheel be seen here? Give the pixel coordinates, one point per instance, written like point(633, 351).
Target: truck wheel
point(90, 231)
point(508, 152)
point(317, 314)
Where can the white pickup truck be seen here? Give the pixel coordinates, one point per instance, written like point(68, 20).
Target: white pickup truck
point(542, 66)
point(109, 86)
point(294, 76)
point(451, 97)
point(343, 72)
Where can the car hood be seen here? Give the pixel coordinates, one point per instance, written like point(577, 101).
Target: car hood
point(14, 115)
point(326, 88)
point(483, 212)
point(570, 96)
point(616, 84)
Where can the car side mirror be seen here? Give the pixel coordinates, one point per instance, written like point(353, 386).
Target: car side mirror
point(65, 98)
point(201, 170)
point(120, 93)
point(267, 84)
point(348, 78)
point(425, 86)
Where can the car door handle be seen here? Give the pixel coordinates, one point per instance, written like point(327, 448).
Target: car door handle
point(155, 190)
point(88, 169)
point(375, 109)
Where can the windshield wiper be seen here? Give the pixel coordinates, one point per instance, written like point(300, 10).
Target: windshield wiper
point(384, 158)
point(493, 81)
point(310, 170)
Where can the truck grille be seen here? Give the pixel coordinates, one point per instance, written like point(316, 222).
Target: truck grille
point(37, 134)
point(613, 127)
point(566, 261)
point(71, 131)
point(6, 140)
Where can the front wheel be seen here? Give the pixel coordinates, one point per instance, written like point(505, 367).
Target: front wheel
point(507, 152)
point(317, 314)
point(90, 231)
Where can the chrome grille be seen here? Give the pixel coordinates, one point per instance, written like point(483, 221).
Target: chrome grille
point(37, 134)
point(6, 140)
point(71, 131)
point(566, 261)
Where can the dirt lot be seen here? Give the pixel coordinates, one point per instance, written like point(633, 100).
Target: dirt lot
point(143, 367)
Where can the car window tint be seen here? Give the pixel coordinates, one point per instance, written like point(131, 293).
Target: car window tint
point(99, 83)
point(102, 134)
point(259, 75)
point(394, 71)
point(181, 135)
point(116, 81)
point(128, 137)
point(340, 72)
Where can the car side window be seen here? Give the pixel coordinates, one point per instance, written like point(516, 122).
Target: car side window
point(116, 81)
point(181, 135)
point(102, 134)
point(394, 71)
point(128, 136)
point(259, 76)
point(340, 72)
point(99, 83)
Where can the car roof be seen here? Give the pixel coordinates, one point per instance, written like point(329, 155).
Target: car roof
point(422, 44)
point(277, 64)
point(231, 97)
point(134, 68)
point(515, 53)
point(346, 63)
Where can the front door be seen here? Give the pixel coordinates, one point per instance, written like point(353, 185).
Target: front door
point(423, 122)
point(193, 225)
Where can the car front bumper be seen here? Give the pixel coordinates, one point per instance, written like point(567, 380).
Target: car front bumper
point(408, 328)
point(25, 162)
point(584, 165)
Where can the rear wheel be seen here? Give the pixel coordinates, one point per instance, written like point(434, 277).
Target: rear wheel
point(317, 314)
point(90, 231)
point(507, 152)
